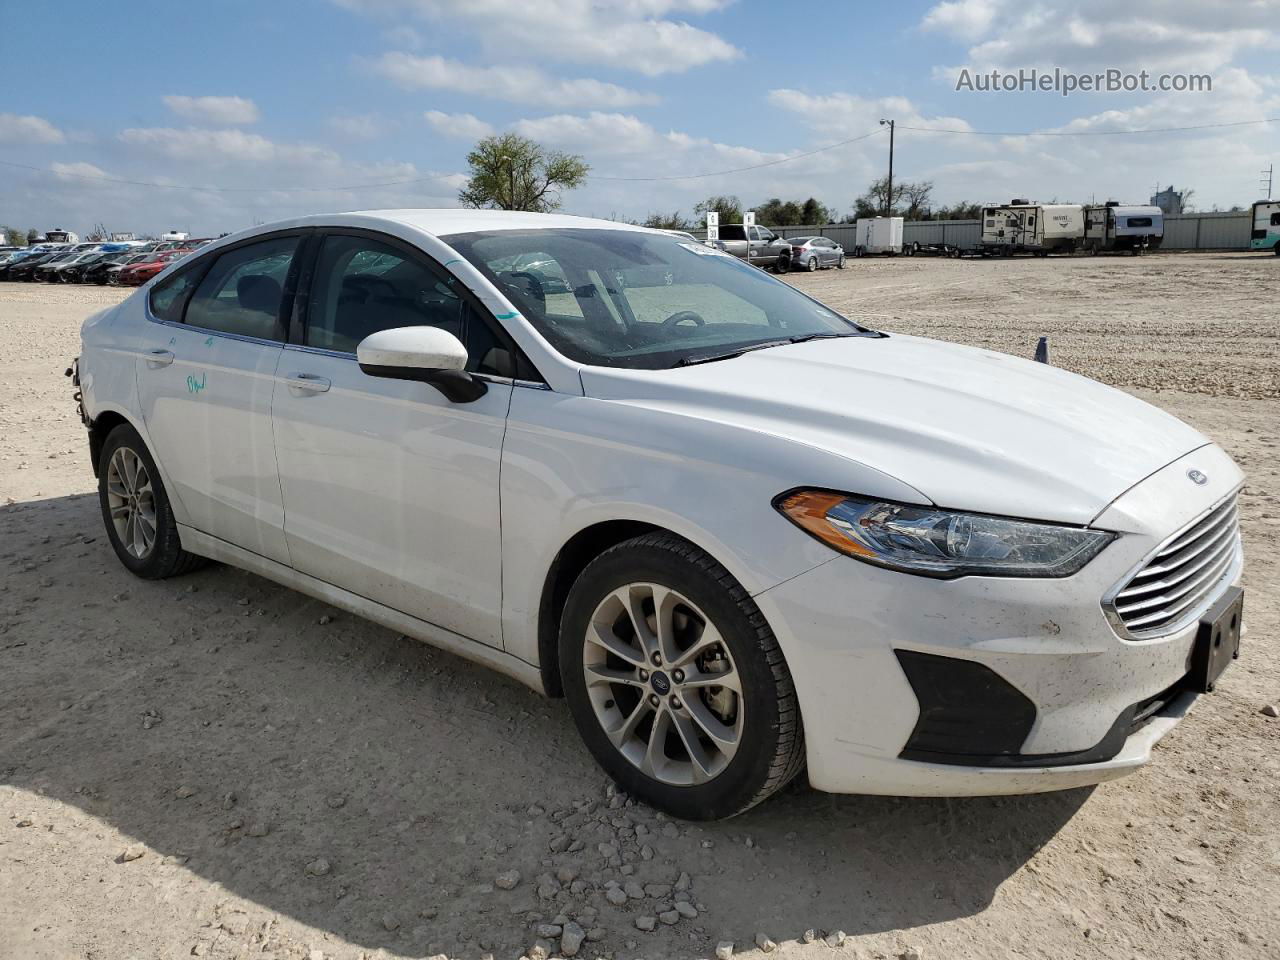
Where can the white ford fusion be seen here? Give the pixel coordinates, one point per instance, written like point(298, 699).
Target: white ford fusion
point(739, 533)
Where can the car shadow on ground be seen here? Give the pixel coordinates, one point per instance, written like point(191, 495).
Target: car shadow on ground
point(231, 726)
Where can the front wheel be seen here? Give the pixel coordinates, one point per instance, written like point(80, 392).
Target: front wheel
point(136, 510)
point(676, 682)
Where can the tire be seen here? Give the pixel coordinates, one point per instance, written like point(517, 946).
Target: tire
point(163, 556)
point(761, 722)
point(783, 264)
point(840, 262)
point(811, 264)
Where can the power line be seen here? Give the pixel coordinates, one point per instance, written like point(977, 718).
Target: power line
point(688, 176)
point(754, 166)
point(1087, 133)
point(182, 186)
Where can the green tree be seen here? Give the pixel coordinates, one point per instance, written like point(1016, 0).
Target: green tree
point(32, 236)
point(729, 208)
point(16, 235)
point(909, 200)
point(814, 213)
point(511, 172)
point(666, 221)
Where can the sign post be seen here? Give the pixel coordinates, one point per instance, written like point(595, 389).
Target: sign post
point(713, 225)
point(748, 221)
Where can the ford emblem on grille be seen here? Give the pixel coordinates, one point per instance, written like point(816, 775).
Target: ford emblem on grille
point(1198, 478)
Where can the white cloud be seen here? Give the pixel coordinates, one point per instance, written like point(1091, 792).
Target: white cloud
point(357, 126)
point(849, 114)
point(85, 172)
point(463, 126)
point(15, 128)
point(223, 111)
point(965, 18)
point(637, 35)
point(514, 83)
point(1089, 35)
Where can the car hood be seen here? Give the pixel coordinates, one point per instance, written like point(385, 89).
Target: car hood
point(970, 429)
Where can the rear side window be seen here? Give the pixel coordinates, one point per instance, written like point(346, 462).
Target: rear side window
point(169, 296)
point(243, 290)
point(733, 231)
point(1139, 221)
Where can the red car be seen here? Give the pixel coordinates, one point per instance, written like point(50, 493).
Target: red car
point(137, 274)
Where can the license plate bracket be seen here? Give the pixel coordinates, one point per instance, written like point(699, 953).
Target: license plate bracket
point(1217, 641)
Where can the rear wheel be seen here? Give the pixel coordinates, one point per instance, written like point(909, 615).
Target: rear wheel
point(676, 682)
point(136, 510)
point(811, 264)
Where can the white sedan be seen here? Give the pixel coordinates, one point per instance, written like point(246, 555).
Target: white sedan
point(740, 534)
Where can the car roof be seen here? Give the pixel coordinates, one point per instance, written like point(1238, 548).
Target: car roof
point(454, 220)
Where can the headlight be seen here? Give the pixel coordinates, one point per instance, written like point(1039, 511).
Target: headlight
point(940, 543)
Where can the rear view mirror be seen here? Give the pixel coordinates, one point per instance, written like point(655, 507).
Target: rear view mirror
point(426, 354)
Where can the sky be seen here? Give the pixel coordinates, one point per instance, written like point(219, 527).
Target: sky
point(238, 112)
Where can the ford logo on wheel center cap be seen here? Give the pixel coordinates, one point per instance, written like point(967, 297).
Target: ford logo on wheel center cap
point(661, 684)
point(1198, 478)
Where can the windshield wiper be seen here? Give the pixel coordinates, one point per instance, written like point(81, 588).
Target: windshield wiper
point(761, 345)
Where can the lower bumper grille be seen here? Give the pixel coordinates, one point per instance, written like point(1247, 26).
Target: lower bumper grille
point(1181, 578)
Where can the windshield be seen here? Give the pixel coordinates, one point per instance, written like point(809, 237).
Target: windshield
point(623, 298)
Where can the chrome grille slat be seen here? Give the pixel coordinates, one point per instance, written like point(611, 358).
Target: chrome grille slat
point(1181, 577)
point(1199, 530)
point(1223, 543)
point(1161, 564)
point(1166, 600)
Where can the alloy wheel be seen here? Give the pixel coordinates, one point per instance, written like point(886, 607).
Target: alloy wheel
point(131, 502)
point(663, 684)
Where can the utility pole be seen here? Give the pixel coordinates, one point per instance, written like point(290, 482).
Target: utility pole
point(888, 194)
point(1267, 181)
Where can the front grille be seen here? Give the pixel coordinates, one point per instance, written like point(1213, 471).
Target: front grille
point(1182, 577)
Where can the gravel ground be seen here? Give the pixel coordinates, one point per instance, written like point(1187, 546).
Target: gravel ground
point(216, 766)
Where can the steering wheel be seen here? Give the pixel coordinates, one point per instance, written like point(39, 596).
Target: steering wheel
point(681, 316)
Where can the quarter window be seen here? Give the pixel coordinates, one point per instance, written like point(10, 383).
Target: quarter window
point(169, 296)
point(242, 292)
point(362, 286)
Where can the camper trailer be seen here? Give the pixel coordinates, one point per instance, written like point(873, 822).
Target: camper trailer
point(877, 235)
point(1119, 226)
point(58, 235)
point(1039, 228)
point(1266, 226)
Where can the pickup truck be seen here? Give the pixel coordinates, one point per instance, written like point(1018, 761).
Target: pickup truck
point(766, 248)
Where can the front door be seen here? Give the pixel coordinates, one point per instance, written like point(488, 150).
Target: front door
point(205, 380)
point(390, 489)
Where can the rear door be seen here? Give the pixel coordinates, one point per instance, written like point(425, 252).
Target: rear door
point(390, 489)
point(205, 381)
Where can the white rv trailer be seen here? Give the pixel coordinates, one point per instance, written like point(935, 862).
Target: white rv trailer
point(1266, 226)
point(174, 235)
point(1039, 228)
point(1121, 226)
point(58, 235)
point(877, 235)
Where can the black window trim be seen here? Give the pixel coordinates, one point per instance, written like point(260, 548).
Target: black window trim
point(207, 259)
point(529, 375)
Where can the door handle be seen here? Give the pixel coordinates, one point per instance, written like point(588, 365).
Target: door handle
point(159, 358)
point(307, 383)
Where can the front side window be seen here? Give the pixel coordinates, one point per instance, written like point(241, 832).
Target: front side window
point(243, 290)
point(645, 301)
point(363, 285)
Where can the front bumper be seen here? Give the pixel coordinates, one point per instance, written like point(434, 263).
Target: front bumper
point(1061, 710)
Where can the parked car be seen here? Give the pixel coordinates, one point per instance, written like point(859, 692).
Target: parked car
point(139, 273)
point(764, 249)
point(25, 269)
point(74, 272)
point(111, 273)
point(740, 533)
point(54, 271)
point(815, 253)
point(97, 271)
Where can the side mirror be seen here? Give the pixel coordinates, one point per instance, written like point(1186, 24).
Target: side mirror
point(426, 354)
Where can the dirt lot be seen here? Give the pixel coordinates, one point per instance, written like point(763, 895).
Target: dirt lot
point(216, 766)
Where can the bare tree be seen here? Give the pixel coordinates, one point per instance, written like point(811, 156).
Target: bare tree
point(511, 172)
